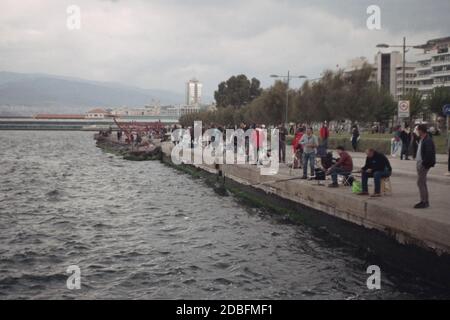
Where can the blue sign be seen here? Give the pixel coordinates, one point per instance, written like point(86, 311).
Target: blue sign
point(446, 110)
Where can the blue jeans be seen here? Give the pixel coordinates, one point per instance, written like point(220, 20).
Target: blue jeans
point(311, 157)
point(338, 171)
point(377, 176)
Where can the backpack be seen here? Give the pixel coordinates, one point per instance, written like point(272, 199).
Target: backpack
point(319, 174)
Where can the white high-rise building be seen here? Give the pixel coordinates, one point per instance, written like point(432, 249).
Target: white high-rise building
point(433, 69)
point(193, 92)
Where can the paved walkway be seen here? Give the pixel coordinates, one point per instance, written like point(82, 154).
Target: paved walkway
point(405, 192)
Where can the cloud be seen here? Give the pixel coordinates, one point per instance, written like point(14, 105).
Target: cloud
point(161, 44)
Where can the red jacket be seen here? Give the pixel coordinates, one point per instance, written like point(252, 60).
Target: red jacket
point(258, 138)
point(345, 162)
point(295, 142)
point(324, 132)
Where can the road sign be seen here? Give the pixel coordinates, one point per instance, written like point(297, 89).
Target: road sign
point(446, 110)
point(403, 109)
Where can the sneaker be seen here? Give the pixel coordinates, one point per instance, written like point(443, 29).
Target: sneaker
point(363, 194)
point(333, 185)
point(304, 177)
point(422, 205)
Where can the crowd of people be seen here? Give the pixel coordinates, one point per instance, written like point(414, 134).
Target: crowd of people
point(377, 165)
point(309, 148)
point(136, 137)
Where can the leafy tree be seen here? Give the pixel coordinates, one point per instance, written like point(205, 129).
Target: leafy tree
point(357, 99)
point(417, 104)
point(439, 97)
point(237, 91)
point(269, 107)
point(383, 106)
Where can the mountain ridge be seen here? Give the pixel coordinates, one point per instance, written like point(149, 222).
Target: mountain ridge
point(29, 93)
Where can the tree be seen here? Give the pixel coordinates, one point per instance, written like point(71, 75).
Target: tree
point(357, 99)
point(417, 104)
point(439, 97)
point(269, 107)
point(383, 106)
point(237, 91)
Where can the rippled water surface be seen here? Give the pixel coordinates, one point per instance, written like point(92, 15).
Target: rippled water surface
point(144, 230)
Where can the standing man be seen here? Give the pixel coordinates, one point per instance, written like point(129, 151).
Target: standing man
point(426, 159)
point(309, 142)
point(404, 136)
point(282, 143)
point(324, 135)
point(355, 137)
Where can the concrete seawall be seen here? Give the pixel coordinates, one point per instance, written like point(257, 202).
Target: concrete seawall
point(390, 215)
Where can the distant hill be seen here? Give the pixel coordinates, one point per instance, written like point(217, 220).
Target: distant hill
point(27, 94)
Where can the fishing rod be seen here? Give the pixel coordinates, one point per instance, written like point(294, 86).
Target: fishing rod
point(275, 181)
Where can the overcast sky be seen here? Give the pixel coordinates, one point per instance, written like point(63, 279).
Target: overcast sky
point(162, 44)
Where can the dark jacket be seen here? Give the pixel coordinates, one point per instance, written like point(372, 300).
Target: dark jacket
point(378, 162)
point(404, 136)
point(428, 152)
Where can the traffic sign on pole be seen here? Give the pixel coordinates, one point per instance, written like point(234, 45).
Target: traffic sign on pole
point(403, 109)
point(446, 110)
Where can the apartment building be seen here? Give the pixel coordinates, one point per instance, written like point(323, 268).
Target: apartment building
point(409, 80)
point(137, 112)
point(430, 70)
point(178, 111)
point(433, 65)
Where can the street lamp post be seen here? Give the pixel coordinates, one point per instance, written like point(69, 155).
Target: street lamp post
point(288, 80)
point(404, 47)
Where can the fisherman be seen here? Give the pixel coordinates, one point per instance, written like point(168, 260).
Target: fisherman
point(377, 166)
point(344, 166)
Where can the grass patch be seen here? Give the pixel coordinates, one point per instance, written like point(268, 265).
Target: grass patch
point(380, 142)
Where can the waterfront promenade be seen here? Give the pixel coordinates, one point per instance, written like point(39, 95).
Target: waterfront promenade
point(392, 214)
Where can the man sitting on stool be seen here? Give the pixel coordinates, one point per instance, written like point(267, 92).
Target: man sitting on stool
point(344, 166)
point(378, 167)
